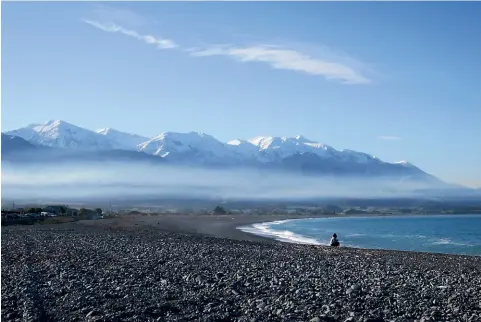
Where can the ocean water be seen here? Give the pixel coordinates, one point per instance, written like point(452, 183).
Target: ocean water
point(450, 234)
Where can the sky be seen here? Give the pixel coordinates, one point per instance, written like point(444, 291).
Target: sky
point(401, 81)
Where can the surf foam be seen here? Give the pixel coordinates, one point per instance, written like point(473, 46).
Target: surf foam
point(266, 230)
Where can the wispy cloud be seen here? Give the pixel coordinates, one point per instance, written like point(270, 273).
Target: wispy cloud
point(162, 43)
point(331, 66)
point(280, 58)
point(390, 138)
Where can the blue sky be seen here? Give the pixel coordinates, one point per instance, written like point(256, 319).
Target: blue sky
point(397, 80)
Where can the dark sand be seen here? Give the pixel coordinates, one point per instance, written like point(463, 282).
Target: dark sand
point(223, 226)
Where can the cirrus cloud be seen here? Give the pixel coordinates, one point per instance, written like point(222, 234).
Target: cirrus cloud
point(162, 43)
point(331, 66)
point(287, 59)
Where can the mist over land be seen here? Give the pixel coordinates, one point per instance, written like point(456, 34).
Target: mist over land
point(105, 180)
point(72, 164)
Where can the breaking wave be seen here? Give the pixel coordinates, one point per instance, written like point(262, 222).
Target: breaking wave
point(447, 241)
point(266, 230)
point(449, 234)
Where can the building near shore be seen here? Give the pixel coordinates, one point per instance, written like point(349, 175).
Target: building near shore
point(61, 210)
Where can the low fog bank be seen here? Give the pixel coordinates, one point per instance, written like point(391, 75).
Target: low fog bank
point(114, 180)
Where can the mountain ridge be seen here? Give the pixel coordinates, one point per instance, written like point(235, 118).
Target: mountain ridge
point(60, 141)
point(62, 134)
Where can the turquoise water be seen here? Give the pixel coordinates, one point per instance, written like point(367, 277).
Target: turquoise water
point(451, 234)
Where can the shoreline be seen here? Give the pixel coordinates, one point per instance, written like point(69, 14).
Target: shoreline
point(231, 226)
point(147, 269)
point(220, 226)
point(265, 230)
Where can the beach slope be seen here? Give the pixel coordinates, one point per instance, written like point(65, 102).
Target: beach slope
point(128, 271)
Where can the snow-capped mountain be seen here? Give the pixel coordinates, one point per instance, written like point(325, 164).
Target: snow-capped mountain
point(123, 140)
point(243, 149)
point(291, 145)
point(274, 148)
point(265, 149)
point(281, 153)
point(192, 146)
point(358, 157)
point(61, 134)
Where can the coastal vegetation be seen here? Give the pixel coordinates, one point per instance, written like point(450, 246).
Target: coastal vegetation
point(49, 214)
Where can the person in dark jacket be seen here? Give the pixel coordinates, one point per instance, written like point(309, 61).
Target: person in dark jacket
point(334, 241)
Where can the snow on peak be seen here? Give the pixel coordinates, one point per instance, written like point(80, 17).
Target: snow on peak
point(404, 163)
point(265, 142)
point(122, 140)
point(61, 134)
point(193, 142)
point(50, 129)
point(106, 131)
point(242, 149)
point(301, 138)
point(258, 140)
point(274, 147)
point(236, 142)
point(48, 123)
point(53, 126)
point(359, 157)
point(188, 137)
point(58, 123)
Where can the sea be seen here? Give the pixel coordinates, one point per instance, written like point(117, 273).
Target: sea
point(449, 234)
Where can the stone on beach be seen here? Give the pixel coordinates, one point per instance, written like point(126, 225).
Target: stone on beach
point(66, 273)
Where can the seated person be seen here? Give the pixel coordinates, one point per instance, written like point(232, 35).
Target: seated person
point(334, 241)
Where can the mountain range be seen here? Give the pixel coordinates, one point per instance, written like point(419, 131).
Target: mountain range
point(59, 141)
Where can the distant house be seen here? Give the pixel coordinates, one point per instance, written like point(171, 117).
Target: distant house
point(61, 210)
point(54, 209)
point(73, 212)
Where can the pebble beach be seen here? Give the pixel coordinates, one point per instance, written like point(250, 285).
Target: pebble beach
point(110, 271)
